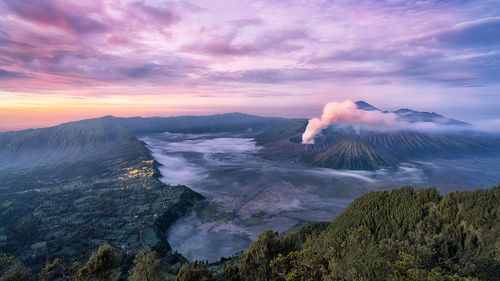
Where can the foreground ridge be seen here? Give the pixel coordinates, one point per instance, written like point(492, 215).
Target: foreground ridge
point(403, 234)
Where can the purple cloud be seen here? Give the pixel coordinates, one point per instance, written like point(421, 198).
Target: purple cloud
point(317, 48)
point(246, 22)
point(59, 14)
point(5, 74)
point(483, 32)
point(162, 15)
point(271, 41)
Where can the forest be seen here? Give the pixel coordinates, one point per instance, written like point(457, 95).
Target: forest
point(403, 234)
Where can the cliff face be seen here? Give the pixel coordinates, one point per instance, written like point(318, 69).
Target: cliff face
point(66, 142)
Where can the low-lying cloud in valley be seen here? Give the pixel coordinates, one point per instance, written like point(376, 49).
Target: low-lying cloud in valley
point(195, 240)
point(247, 193)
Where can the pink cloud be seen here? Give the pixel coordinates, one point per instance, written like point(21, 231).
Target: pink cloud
point(117, 40)
point(63, 15)
point(242, 49)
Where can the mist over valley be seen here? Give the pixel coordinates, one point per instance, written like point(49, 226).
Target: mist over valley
point(200, 140)
point(247, 192)
point(206, 188)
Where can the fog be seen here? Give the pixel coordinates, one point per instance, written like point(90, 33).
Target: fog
point(248, 194)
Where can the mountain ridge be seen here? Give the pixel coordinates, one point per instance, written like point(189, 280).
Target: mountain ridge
point(77, 139)
point(376, 149)
point(413, 116)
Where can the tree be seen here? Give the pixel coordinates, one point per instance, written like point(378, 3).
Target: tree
point(299, 265)
point(5, 261)
point(147, 267)
point(194, 272)
point(255, 264)
point(51, 270)
point(100, 265)
point(75, 267)
point(232, 273)
point(16, 272)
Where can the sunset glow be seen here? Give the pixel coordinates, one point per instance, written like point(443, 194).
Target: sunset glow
point(68, 60)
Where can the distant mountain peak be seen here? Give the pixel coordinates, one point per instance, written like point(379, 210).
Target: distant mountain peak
point(407, 111)
point(403, 111)
point(424, 116)
point(365, 106)
point(414, 116)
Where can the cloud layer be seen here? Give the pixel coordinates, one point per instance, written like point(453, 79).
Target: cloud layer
point(239, 52)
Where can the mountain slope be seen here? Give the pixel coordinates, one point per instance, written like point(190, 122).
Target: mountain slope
point(66, 142)
point(457, 233)
point(404, 234)
point(87, 138)
point(408, 144)
point(354, 155)
point(413, 116)
point(230, 122)
point(416, 116)
point(347, 147)
point(365, 106)
point(66, 190)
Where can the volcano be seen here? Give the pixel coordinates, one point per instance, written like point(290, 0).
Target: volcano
point(342, 146)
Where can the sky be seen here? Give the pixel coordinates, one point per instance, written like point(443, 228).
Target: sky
point(69, 60)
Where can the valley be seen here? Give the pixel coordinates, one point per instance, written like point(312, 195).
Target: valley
point(249, 192)
point(194, 140)
point(68, 189)
point(203, 187)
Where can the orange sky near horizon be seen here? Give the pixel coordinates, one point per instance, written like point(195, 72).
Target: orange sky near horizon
point(20, 111)
point(70, 60)
point(34, 111)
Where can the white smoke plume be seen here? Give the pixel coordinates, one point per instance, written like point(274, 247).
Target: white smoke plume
point(346, 112)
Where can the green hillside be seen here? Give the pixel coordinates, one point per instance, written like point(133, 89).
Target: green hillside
point(69, 209)
point(66, 190)
point(404, 234)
